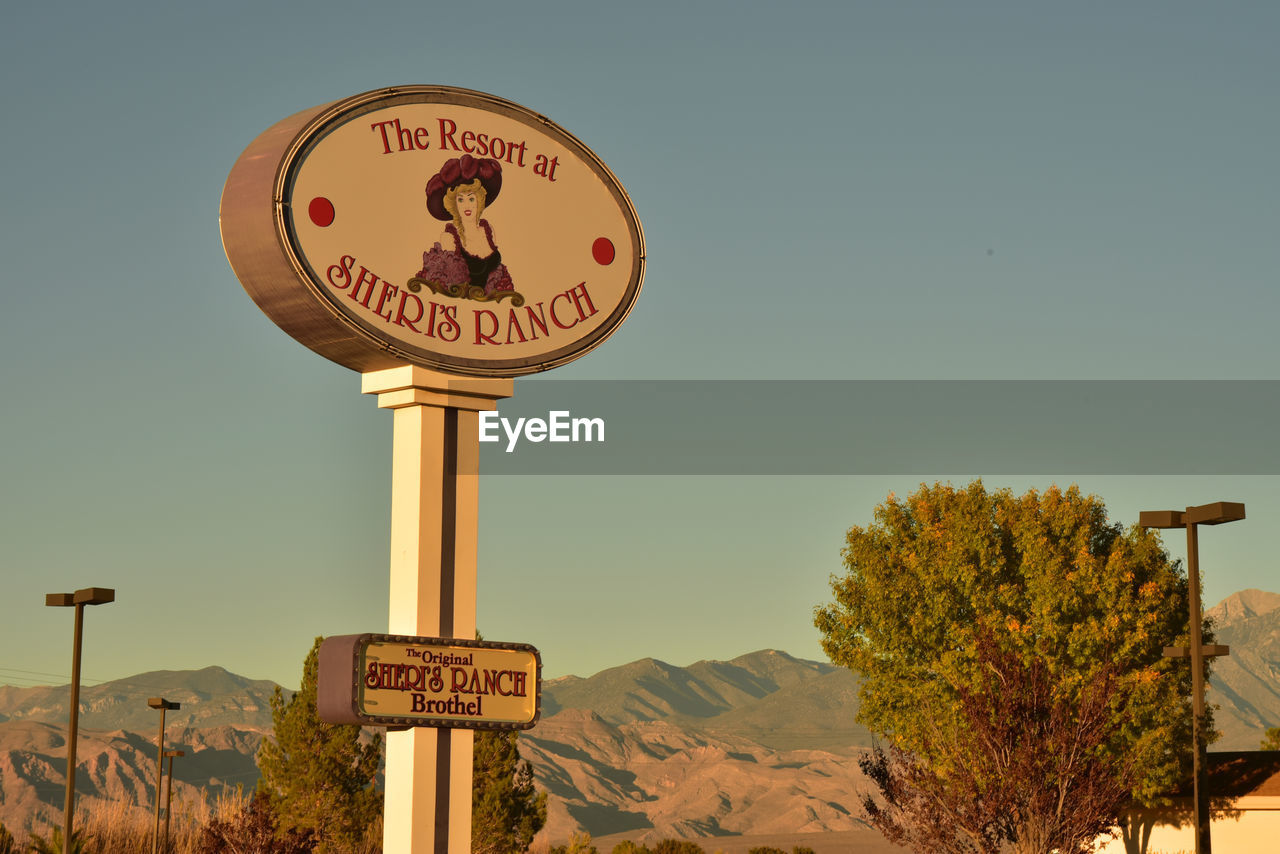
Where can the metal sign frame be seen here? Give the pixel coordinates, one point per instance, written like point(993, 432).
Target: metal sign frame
point(260, 240)
point(342, 671)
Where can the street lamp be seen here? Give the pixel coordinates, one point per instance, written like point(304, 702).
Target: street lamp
point(1191, 518)
point(163, 705)
point(168, 797)
point(87, 596)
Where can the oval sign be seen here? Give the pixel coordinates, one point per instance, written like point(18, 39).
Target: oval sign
point(436, 226)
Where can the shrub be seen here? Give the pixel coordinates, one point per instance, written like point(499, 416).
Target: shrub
point(678, 846)
point(253, 831)
point(626, 846)
point(53, 845)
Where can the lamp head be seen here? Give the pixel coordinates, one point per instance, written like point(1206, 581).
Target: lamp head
point(95, 596)
point(1162, 519)
point(1216, 513)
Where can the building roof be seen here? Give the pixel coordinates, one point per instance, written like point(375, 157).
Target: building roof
point(1242, 773)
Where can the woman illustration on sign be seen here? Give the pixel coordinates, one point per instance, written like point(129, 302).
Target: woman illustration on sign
point(465, 262)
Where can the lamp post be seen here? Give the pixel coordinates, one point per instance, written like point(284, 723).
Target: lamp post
point(1204, 514)
point(86, 596)
point(168, 796)
point(163, 705)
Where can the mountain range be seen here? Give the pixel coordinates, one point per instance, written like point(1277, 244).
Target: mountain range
point(763, 744)
point(222, 720)
point(760, 744)
point(1245, 685)
point(209, 697)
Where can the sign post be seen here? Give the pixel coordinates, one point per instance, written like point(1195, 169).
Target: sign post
point(439, 241)
point(434, 508)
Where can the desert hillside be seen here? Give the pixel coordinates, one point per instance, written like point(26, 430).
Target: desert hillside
point(764, 744)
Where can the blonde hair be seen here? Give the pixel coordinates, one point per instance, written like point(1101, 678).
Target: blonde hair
point(450, 201)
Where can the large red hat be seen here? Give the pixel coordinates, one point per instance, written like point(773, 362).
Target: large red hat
point(463, 170)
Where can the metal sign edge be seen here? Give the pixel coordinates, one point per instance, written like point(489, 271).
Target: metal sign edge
point(350, 712)
point(327, 117)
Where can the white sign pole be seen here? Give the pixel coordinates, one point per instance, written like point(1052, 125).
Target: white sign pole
point(434, 509)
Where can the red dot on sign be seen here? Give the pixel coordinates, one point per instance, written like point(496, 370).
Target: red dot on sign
point(321, 211)
point(602, 251)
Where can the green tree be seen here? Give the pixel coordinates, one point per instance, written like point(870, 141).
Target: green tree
point(1037, 774)
point(319, 776)
point(7, 843)
point(1271, 739)
point(506, 810)
point(1049, 580)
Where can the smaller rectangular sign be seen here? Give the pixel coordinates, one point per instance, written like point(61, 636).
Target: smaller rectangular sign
point(400, 681)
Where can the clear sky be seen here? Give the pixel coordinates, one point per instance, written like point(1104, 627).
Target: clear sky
point(833, 191)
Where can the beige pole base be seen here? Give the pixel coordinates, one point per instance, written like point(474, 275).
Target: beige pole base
point(434, 510)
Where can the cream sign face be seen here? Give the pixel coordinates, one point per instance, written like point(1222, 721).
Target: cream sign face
point(434, 226)
point(390, 680)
